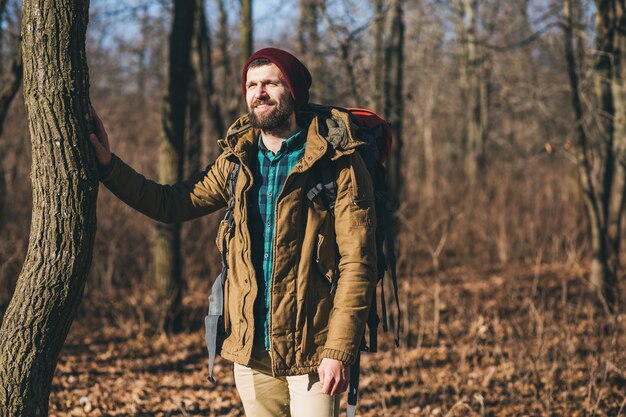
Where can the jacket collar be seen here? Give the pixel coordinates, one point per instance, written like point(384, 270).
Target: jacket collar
point(328, 129)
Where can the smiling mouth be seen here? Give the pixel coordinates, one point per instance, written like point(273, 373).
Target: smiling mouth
point(263, 107)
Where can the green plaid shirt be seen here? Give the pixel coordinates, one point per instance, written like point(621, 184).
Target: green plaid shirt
point(270, 172)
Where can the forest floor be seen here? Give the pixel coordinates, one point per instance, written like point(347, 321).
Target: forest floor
point(510, 341)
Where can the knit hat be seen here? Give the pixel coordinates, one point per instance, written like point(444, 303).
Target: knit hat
point(297, 76)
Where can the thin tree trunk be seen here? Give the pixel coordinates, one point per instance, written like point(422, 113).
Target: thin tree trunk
point(245, 40)
point(393, 80)
point(377, 63)
point(142, 70)
point(195, 99)
point(230, 82)
point(615, 210)
point(65, 186)
point(168, 275)
point(203, 70)
point(429, 147)
point(474, 89)
point(195, 125)
point(308, 44)
point(599, 270)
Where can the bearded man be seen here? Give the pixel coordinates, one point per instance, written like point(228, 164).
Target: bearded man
point(300, 273)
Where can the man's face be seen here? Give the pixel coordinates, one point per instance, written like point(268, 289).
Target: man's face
point(270, 104)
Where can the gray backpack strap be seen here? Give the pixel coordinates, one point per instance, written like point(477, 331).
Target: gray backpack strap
point(216, 299)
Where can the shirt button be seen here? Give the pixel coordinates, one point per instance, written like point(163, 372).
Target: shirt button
point(266, 256)
point(268, 224)
point(269, 194)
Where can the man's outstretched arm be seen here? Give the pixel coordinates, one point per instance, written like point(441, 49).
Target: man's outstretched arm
point(201, 194)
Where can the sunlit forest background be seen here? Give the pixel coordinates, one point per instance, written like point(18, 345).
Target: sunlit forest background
point(501, 316)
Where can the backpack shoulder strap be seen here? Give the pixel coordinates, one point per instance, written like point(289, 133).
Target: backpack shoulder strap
point(216, 299)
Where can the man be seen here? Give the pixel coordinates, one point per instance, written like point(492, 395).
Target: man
point(291, 337)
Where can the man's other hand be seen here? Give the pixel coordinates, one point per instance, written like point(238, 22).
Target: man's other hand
point(100, 140)
point(334, 376)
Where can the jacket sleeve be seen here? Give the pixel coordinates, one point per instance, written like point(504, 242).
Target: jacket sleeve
point(201, 194)
point(355, 223)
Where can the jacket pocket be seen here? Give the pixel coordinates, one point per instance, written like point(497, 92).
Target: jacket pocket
point(326, 257)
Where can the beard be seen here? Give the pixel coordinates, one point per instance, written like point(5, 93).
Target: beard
point(275, 120)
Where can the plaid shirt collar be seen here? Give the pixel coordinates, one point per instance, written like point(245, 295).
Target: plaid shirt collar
point(290, 144)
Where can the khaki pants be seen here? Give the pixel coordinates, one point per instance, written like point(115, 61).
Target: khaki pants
point(263, 395)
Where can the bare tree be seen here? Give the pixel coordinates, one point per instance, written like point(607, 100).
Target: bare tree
point(65, 185)
point(245, 39)
point(229, 92)
point(473, 87)
point(603, 188)
point(168, 271)
point(203, 105)
point(393, 80)
point(377, 63)
point(309, 43)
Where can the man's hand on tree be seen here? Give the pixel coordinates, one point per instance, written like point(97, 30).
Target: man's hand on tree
point(334, 376)
point(100, 140)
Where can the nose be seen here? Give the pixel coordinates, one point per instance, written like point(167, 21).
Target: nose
point(260, 91)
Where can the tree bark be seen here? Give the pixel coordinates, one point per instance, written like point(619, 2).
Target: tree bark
point(393, 82)
point(65, 185)
point(377, 63)
point(230, 85)
point(308, 44)
point(245, 40)
point(474, 89)
point(168, 274)
point(208, 108)
point(604, 202)
point(612, 18)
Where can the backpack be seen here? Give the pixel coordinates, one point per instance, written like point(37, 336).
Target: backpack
point(376, 132)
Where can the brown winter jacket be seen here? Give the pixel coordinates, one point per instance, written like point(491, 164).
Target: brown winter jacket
point(307, 323)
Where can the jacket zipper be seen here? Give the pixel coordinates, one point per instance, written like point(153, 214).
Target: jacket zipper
point(269, 322)
point(245, 231)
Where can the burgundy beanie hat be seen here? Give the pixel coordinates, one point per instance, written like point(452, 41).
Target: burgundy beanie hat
point(297, 76)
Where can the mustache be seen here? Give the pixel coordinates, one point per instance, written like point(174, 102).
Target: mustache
point(267, 101)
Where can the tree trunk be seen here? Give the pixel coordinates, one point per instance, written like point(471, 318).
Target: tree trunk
point(7, 94)
point(474, 89)
point(230, 83)
point(308, 44)
point(168, 275)
point(394, 103)
point(65, 186)
point(613, 17)
point(193, 146)
point(245, 41)
point(429, 146)
point(604, 203)
point(202, 66)
point(195, 99)
point(377, 63)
